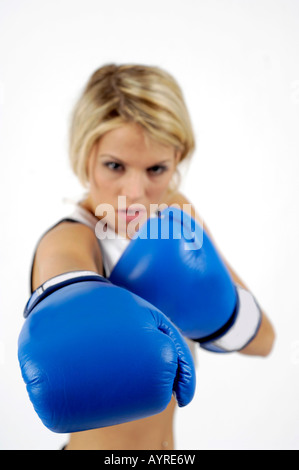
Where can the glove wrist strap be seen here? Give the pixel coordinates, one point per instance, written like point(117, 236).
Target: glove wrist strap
point(245, 324)
point(58, 282)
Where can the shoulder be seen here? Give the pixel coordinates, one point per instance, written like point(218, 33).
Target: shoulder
point(178, 199)
point(67, 235)
point(68, 246)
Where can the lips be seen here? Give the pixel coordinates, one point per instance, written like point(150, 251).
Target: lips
point(131, 212)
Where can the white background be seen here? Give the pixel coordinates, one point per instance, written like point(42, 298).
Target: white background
point(237, 62)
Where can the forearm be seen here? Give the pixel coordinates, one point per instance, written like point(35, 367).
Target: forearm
point(263, 342)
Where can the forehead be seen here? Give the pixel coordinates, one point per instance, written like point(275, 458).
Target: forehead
point(130, 141)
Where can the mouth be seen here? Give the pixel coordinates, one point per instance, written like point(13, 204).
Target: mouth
point(131, 213)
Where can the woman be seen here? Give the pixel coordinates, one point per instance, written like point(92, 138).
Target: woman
point(129, 134)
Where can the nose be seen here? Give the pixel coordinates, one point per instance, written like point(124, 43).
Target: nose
point(134, 187)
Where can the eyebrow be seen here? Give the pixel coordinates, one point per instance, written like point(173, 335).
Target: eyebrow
point(118, 160)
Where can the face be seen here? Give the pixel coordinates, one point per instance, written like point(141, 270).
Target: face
point(127, 162)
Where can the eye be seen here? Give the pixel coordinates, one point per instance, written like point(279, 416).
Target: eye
point(113, 166)
point(157, 169)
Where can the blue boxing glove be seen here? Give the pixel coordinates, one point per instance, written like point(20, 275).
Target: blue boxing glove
point(172, 263)
point(93, 354)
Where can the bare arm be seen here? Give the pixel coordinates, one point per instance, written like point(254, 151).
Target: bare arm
point(67, 247)
point(263, 342)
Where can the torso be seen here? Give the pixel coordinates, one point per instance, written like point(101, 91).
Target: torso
point(152, 433)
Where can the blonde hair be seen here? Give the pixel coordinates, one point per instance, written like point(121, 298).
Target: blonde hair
point(115, 95)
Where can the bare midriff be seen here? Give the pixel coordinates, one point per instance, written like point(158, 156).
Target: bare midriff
point(152, 433)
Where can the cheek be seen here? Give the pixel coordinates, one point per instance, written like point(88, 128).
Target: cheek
point(99, 181)
point(165, 180)
point(159, 188)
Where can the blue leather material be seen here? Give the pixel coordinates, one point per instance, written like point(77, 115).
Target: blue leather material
point(182, 274)
point(93, 355)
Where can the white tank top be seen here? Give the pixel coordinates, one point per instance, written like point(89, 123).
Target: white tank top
point(112, 246)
